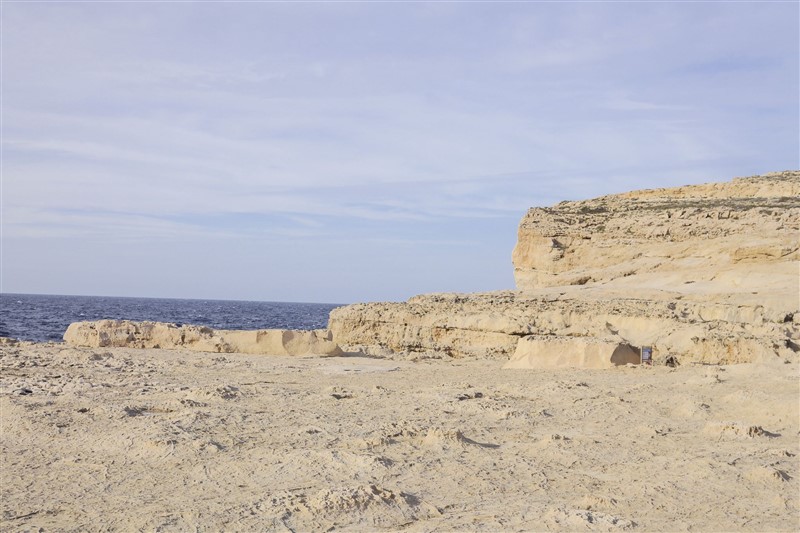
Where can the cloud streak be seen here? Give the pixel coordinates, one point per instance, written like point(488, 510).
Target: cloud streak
point(356, 123)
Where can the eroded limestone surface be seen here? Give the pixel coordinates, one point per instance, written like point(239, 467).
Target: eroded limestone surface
point(491, 324)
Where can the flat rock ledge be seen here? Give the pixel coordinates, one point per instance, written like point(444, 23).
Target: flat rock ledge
point(569, 330)
point(128, 334)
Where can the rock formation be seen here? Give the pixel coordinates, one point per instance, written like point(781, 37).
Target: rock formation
point(705, 273)
point(699, 273)
point(549, 351)
point(725, 228)
point(124, 333)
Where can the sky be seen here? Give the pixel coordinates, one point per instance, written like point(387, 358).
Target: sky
point(347, 151)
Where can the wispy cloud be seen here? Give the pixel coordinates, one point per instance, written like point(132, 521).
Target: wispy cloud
point(355, 123)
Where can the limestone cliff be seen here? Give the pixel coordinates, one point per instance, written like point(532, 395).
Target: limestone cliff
point(668, 233)
point(700, 273)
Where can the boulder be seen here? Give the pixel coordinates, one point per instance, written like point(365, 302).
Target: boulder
point(548, 351)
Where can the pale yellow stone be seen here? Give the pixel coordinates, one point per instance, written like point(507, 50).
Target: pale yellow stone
point(124, 333)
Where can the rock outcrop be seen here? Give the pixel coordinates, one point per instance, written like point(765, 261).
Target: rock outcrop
point(124, 333)
point(492, 324)
point(693, 233)
point(700, 273)
point(548, 351)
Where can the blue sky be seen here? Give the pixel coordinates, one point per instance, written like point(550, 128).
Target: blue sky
point(340, 152)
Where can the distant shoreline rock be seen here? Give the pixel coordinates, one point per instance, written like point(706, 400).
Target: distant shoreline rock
point(125, 333)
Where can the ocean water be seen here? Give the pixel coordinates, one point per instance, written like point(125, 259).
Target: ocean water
point(36, 317)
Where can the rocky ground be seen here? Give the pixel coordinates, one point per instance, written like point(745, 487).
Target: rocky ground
point(167, 440)
point(419, 427)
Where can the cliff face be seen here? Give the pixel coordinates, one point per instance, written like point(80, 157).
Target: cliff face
point(700, 273)
point(721, 227)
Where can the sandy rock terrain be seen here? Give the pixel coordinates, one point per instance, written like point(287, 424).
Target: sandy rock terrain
point(174, 440)
point(419, 426)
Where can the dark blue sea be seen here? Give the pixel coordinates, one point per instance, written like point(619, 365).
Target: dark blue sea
point(36, 317)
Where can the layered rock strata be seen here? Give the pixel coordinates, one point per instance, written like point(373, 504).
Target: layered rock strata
point(681, 233)
point(124, 333)
point(491, 324)
point(704, 273)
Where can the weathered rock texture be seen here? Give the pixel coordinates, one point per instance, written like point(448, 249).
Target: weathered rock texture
point(549, 351)
point(700, 273)
point(720, 227)
point(124, 333)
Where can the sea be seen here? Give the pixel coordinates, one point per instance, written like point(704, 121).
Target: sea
point(38, 317)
